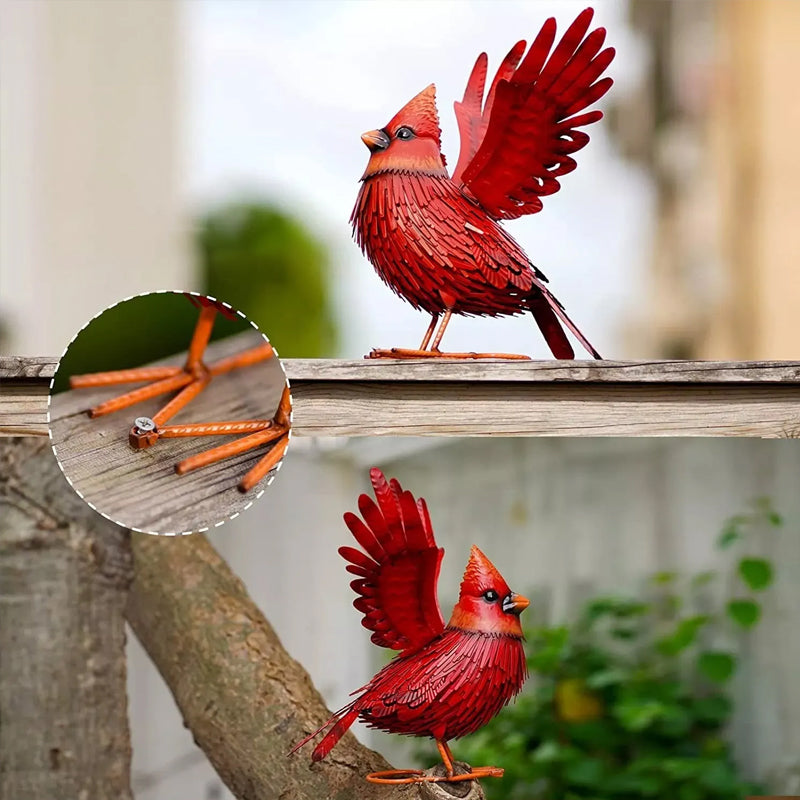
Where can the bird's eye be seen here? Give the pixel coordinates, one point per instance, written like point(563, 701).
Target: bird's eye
point(490, 595)
point(404, 133)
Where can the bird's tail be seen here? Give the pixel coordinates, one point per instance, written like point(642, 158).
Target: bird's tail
point(547, 312)
point(338, 725)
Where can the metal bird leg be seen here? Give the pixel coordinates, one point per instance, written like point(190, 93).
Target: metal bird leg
point(405, 776)
point(433, 351)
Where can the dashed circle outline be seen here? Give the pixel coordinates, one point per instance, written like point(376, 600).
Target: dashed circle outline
point(273, 472)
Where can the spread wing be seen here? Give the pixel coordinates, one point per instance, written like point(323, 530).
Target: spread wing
point(396, 586)
point(516, 145)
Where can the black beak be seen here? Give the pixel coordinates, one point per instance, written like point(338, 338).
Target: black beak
point(376, 140)
point(515, 603)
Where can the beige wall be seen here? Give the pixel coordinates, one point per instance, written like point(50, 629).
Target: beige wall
point(91, 208)
point(755, 127)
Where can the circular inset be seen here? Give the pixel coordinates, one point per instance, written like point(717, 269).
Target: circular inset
point(169, 413)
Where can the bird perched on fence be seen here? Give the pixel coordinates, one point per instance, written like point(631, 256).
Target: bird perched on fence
point(437, 240)
point(448, 680)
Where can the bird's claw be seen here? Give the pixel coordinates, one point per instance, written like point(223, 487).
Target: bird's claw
point(406, 353)
point(406, 776)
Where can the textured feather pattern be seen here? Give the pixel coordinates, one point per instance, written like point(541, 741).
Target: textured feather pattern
point(516, 146)
point(449, 689)
point(437, 249)
point(398, 572)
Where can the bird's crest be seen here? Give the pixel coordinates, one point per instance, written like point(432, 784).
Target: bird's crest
point(420, 114)
point(481, 575)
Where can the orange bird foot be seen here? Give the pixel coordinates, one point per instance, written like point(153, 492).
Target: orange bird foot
point(405, 776)
point(402, 353)
point(259, 432)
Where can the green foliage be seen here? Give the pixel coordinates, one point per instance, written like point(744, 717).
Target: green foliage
point(142, 329)
point(266, 263)
point(632, 698)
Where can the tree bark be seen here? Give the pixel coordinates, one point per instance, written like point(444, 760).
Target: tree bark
point(64, 576)
point(244, 698)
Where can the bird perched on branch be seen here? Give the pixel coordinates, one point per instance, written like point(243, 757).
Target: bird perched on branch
point(448, 680)
point(437, 240)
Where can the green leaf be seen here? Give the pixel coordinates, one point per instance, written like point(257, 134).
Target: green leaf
point(636, 715)
point(683, 636)
point(756, 573)
point(716, 665)
point(606, 677)
point(731, 532)
point(775, 519)
point(714, 710)
point(745, 613)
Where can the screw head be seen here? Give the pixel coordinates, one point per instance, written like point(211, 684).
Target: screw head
point(144, 424)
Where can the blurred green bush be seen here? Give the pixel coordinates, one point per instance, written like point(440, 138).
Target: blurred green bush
point(265, 262)
point(631, 699)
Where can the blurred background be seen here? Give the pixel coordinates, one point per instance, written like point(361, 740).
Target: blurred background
point(214, 145)
point(663, 634)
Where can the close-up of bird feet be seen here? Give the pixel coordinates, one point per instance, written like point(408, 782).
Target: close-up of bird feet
point(406, 776)
point(222, 405)
point(190, 379)
point(260, 432)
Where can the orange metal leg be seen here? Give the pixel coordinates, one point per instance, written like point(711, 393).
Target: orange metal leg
point(405, 776)
point(200, 337)
point(116, 377)
point(433, 351)
point(263, 467)
point(427, 337)
point(142, 393)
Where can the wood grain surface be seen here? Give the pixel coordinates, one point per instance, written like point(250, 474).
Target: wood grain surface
point(139, 488)
point(546, 398)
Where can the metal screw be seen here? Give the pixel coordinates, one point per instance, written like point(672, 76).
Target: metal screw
point(144, 424)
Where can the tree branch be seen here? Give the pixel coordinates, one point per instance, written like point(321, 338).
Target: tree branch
point(244, 698)
point(64, 575)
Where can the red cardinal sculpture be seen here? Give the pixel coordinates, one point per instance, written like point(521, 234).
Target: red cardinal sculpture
point(436, 240)
point(447, 681)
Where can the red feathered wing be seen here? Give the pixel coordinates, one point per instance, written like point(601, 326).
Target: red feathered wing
point(516, 145)
point(396, 586)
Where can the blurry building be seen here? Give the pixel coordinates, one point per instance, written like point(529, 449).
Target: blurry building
point(716, 122)
point(90, 185)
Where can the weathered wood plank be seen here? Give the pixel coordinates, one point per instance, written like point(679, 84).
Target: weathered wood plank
point(27, 367)
point(329, 369)
point(584, 398)
point(330, 408)
point(545, 371)
point(139, 488)
point(23, 407)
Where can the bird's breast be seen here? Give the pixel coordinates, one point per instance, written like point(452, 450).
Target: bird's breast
point(425, 238)
point(450, 688)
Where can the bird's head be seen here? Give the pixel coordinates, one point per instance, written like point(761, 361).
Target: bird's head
point(410, 142)
point(485, 603)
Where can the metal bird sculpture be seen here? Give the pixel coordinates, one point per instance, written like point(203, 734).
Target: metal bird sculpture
point(437, 240)
point(448, 680)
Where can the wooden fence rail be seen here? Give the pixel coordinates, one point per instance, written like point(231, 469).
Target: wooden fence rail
point(450, 398)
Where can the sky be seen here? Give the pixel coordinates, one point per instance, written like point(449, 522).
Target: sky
point(279, 93)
